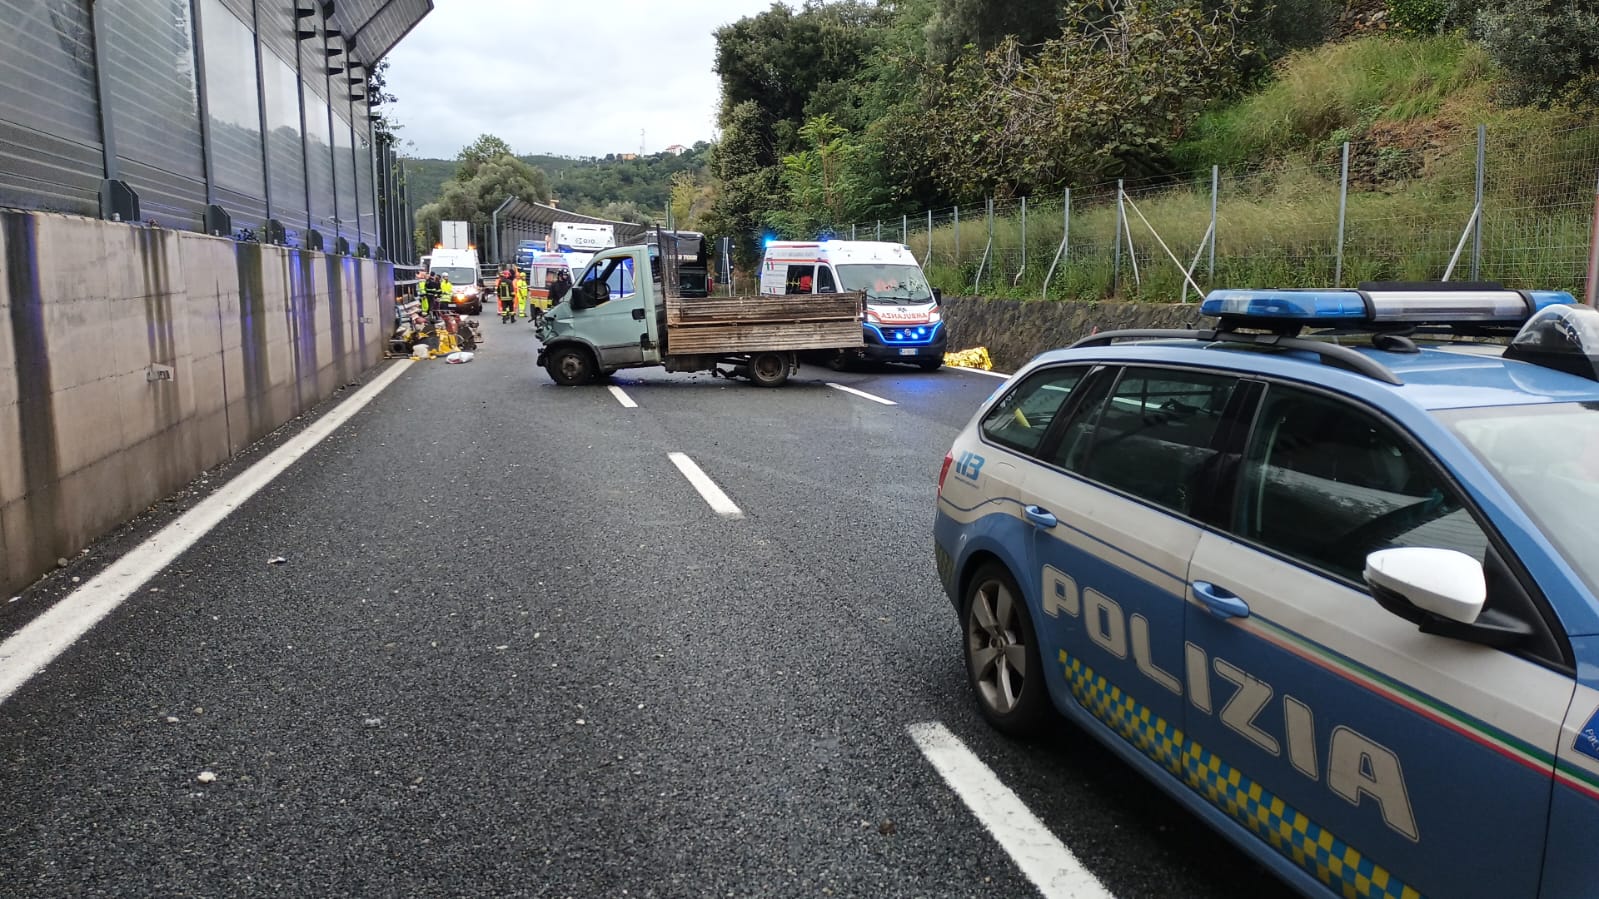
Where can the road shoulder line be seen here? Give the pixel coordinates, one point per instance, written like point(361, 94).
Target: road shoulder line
point(34, 646)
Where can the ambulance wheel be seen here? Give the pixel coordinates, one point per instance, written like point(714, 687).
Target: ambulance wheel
point(1002, 659)
point(769, 369)
point(930, 364)
point(570, 366)
point(839, 361)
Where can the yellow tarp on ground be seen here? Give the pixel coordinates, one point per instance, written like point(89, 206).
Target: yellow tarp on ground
point(976, 357)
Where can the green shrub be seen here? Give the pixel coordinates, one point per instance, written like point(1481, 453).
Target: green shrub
point(1419, 16)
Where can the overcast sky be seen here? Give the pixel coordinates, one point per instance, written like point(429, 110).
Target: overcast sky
point(568, 78)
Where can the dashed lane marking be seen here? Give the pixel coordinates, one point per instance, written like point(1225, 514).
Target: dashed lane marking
point(712, 494)
point(862, 394)
point(622, 397)
point(1044, 859)
point(29, 650)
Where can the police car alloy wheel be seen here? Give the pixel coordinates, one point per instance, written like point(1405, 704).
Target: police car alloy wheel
point(1002, 653)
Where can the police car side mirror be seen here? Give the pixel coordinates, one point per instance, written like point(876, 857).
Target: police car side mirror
point(1444, 592)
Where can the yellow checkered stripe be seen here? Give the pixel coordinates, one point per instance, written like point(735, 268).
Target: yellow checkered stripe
point(1329, 859)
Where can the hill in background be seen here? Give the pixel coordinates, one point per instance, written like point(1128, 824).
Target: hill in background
point(610, 187)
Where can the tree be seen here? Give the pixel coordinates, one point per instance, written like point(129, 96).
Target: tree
point(479, 186)
point(476, 153)
point(956, 24)
point(780, 58)
point(1549, 48)
point(818, 181)
point(1103, 100)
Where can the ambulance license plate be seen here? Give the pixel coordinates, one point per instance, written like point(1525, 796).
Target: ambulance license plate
point(907, 352)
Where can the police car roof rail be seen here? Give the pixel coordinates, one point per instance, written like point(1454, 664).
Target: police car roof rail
point(1329, 353)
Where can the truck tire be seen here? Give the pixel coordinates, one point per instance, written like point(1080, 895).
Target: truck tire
point(570, 366)
point(769, 369)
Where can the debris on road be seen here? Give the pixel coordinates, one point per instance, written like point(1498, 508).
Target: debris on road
point(206, 777)
point(276, 560)
point(459, 358)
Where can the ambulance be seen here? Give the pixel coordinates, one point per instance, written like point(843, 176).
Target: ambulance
point(904, 318)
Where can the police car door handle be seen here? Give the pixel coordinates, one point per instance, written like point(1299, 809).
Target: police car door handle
point(1220, 603)
point(1041, 517)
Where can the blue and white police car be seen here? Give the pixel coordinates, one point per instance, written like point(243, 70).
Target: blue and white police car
point(1324, 572)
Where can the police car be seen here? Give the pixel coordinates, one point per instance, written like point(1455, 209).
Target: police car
point(1324, 572)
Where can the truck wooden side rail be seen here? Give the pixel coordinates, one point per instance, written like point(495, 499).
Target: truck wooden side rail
point(722, 325)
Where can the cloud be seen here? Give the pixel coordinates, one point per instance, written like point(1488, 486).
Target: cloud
point(574, 79)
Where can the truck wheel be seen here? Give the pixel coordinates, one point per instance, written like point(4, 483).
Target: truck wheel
point(570, 366)
point(769, 369)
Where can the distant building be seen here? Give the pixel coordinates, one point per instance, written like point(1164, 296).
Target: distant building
point(677, 149)
point(627, 157)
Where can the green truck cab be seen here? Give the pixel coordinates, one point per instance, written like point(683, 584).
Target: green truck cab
point(618, 316)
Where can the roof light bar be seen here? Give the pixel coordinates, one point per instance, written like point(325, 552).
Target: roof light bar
point(1383, 304)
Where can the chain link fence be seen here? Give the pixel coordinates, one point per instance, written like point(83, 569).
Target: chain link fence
point(1513, 207)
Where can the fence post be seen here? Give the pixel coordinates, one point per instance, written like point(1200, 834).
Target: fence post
point(1116, 260)
point(1065, 235)
point(1482, 165)
point(852, 231)
point(879, 230)
point(957, 235)
point(1343, 206)
point(1215, 191)
point(1593, 253)
point(904, 229)
point(1023, 269)
point(929, 237)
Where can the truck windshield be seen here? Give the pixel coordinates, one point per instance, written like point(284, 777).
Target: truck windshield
point(1543, 456)
point(903, 283)
point(458, 275)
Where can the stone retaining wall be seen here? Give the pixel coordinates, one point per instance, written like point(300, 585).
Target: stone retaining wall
point(1017, 330)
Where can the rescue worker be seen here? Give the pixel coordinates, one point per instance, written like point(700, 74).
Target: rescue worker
point(505, 290)
point(444, 294)
point(521, 294)
point(559, 287)
point(430, 292)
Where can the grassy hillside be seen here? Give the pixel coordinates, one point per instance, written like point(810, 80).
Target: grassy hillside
point(1409, 109)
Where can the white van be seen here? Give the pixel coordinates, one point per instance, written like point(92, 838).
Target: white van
point(461, 267)
point(904, 319)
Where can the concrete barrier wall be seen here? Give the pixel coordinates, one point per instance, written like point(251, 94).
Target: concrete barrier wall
point(1017, 330)
point(134, 358)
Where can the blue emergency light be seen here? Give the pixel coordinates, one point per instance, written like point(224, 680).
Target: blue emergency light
point(1383, 304)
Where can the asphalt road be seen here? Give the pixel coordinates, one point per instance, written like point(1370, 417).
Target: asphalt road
point(510, 651)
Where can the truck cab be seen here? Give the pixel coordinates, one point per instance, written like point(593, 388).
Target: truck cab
point(904, 314)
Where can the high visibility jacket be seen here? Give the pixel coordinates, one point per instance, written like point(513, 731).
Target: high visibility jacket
point(445, 287)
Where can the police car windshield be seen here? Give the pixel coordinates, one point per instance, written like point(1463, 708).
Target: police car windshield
point(457, 276)
point(1544, 456)
point(886, 282)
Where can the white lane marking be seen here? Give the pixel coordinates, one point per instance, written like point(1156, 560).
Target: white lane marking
point(622, 397)
point(977, 371)
point(713, 495)
point(1045, 860)
point(33, 647)
point(863, 394)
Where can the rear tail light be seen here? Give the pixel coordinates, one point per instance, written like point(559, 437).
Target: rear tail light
point(949, 459)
